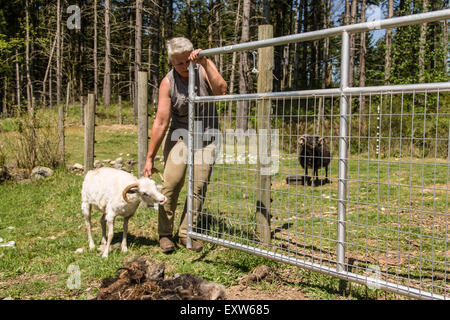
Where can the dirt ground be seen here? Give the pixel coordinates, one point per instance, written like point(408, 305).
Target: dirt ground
point(240, 292)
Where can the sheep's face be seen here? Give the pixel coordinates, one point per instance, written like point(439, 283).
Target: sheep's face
point(310, 141)
point(149, 191)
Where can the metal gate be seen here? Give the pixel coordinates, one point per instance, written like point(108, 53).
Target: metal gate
point(376, 214)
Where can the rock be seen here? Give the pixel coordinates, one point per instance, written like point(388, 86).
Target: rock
point(117, 165)
point(78, 166)
point(119, 160)
point(258, 274)
point(10, 244)
point(98, 164)
point(4, 174)
point(131, 161)
point(40, 172)
point(79, 250)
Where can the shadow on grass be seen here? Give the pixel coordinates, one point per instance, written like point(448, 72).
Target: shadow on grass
point(135, 240)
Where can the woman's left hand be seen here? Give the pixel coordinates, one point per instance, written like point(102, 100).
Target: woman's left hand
point(194, 57)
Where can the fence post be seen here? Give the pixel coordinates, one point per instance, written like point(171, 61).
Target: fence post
point(343, 150)
point(265, 84)
point(120, 110)
point(82, 101)
point(61, 135)
point(89, 133)
point(142, 121)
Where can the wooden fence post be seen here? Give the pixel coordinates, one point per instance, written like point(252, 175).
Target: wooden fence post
point(89, 133)
point(265, 84)
point(82, 100)
point(120, 110)
point(142, 121)
point(62, 138)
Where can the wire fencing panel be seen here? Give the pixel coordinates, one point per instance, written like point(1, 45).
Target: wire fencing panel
point(397, 186)
point(361, 195)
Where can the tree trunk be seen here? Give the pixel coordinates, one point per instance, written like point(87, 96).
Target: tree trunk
point(154, 53)
point(445, 41)
point(422, 41)
point(303, 69)
point(28, 61)
point(58, 52)
point(353, 20)
point(362, 74)
point(4, 110)
point(189, 19)
point(297, 48)
point(17, 78)
point(387, 61)
point(107, 75)
point(137, 53)
point(242, 106)
point(234, 58)
point(44, 83)
point(95, 52)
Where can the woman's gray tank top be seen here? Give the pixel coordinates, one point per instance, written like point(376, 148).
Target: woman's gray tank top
point(205, 112)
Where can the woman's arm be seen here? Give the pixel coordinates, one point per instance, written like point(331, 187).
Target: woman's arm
point(212, 75)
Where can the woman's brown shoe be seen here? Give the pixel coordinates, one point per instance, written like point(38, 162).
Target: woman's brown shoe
point(197, 246)
point(166, 244)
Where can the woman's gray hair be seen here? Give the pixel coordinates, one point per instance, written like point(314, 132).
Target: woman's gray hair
point(178, 45)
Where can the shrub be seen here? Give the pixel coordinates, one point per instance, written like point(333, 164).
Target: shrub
point(35, 143)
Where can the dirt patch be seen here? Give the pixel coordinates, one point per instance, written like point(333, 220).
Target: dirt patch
point(245, 291)
point(283, 292)
point(118, 127)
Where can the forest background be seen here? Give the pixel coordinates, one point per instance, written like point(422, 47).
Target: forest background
point(42, 49)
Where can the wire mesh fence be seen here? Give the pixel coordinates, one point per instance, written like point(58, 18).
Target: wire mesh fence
point(397, 185)
point(351, 182)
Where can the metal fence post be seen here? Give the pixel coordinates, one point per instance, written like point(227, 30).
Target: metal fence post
point(190, 145)
point(343, 147)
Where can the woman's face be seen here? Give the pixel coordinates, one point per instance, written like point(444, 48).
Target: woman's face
point(181, 63)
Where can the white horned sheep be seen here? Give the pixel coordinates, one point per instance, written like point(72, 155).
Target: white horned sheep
point(115, 193)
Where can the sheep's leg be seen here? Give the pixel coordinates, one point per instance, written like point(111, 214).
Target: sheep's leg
point(124, 235)
point(86, 208)
point(110, 223)
point(307, 179)
point(103, 221)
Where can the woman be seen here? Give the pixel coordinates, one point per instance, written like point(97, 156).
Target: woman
point(173, 108)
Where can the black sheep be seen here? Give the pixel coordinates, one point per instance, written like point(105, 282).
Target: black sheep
point(315, 154)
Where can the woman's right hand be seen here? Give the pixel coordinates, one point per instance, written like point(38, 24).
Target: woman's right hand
point(148, 168)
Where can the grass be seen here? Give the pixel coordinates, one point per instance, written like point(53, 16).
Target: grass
point(44, 219)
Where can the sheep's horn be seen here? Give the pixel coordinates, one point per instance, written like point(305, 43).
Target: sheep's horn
point(154, 170)
point(321, 140)
point(301, 140)
point(127, 189)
